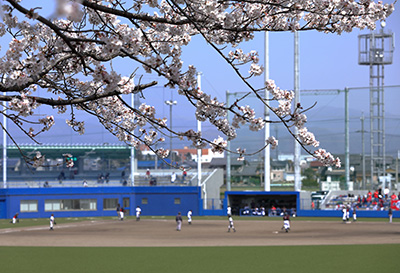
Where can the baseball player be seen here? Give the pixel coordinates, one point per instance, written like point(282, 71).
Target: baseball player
point(118, 211)
point(262, 211)
point(52, 221)
point(178, 220)
point(354, 214)
point(229, 211)
point(344, 210)
point(286, 222)
point(231, 226)
point(15, 219)
point(121, 214)
point(189, 216)
point(348, 212)
point(138, 212)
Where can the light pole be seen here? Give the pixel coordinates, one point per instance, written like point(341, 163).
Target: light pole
point(376, 50)
point(199, 150)
point(135, 104)
point(364, 177)
point(397, 170)
point(4, 145)
point(170, 103)
point(347, 138)
point(297, 151)
point(267, 150)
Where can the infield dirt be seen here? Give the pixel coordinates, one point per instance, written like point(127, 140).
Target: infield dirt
point(159, 232)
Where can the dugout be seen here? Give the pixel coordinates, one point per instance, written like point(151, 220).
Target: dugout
point(238, 200)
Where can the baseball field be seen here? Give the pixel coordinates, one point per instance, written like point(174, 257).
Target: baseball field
point(153, 245)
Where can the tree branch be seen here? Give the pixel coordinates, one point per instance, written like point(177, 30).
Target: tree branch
point(60, 102)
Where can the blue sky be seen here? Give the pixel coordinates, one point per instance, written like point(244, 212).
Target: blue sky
point(327, 61)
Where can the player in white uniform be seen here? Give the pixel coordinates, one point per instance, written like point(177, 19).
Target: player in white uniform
point(138, 212)
point(15, 219)
point(122, 214)
point(344, 210)
point(231, 226)
point(229, 211)
point(189, 216)
point(52, 221)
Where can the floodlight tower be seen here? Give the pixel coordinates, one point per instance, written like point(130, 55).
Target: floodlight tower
point(376, 50)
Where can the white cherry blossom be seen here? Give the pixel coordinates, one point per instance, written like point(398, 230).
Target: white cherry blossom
point(272, 142)
point(70, 55)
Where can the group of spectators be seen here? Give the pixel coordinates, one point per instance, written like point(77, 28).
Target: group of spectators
point(174, 177)
point(255, 212)
point(276, 211)
point(101, 178)
point(378, 200)
point(261, 211)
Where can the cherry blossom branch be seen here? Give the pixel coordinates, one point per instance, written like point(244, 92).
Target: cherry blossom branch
point(72, 58)
point(221, 147)
point(50, 25)
point(59, 102)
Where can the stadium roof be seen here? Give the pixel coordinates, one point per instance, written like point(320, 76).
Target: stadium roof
point(111, 151)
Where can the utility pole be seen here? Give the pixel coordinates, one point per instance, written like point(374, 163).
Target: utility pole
point(347, 138)
point(277, 147)
point(199, 154)
point(296, 161)
point(135, 105)
point(397, 169)
point(4, 145)
point(228, 152)
point(170, 103)
point(267, 163)
point(364, 178)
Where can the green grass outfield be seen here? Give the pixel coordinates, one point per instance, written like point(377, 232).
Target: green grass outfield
point(297, 259)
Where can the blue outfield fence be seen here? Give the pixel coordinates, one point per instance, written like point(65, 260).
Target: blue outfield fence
point(94, 202)
point(159, 200)
point(338, 213)
point(215, 212)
